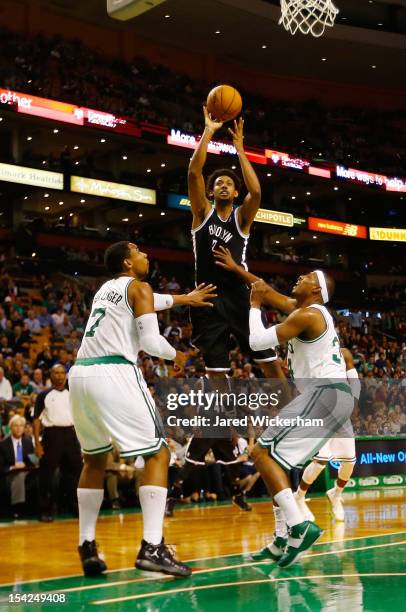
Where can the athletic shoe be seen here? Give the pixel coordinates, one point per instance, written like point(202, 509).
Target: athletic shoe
point(158, 558)
point(92, 564)
point(170, 505)
point(274, 550)
point(301, 537)
point(336, 506)
point(304, 508)
point(241, 502)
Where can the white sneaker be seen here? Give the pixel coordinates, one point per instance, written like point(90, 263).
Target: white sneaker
point(304, 508)
point(336, 502)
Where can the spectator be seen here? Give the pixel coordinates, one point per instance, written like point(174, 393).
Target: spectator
point(32, 323)
point(24, 387)
point(15, 464)
point(6, 391)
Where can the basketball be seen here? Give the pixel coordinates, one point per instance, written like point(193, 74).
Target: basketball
point(224, 103)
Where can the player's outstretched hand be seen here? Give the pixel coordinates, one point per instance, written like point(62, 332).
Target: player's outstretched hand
point(238, 134)
point(180, 361)
point(223, 258)
point(210, 123)
point(202, 296)
point(258, 291)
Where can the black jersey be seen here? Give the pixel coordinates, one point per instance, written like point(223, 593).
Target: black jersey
point(211, 234)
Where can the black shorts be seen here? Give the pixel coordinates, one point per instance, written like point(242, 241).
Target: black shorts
point(223, 450)
point(213, 327)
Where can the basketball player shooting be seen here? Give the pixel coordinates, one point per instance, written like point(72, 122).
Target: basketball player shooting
point(216, 222)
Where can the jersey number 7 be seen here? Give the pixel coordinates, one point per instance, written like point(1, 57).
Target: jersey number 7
point(92, 330)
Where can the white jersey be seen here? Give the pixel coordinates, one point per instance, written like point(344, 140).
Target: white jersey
point(320, 358)
point(111, 328)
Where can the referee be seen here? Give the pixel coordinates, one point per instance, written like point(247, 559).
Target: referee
point(59, 447)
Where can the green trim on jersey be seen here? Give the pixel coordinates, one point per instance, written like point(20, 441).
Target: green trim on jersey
point(99, 451)
point(88, 361)
point(149, 450)
point(126, 294)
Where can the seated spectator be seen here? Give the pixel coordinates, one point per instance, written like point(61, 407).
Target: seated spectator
point(16, 465)
point(45, 359)
point(24, 387)
point(6, 391)
point(38, 382)
point(45, 319)
point(32, 323)
point(63, 329)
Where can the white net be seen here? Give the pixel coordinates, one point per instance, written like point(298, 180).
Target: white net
point(308, 16)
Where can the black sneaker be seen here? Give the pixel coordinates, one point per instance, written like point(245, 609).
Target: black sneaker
point(158, 558)
point(241, 502)
point(92, 564)
point(170, 505)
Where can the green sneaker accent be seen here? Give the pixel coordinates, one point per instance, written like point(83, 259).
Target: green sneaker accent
point(273, 551)
point(301, 538)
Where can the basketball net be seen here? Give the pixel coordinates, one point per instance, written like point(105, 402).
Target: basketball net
point(308, 16)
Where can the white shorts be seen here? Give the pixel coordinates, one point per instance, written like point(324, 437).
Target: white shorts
point(111, 403)
point(292, 446)
point(341, 449)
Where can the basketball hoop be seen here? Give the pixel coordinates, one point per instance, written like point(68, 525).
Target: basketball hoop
point(308, 16)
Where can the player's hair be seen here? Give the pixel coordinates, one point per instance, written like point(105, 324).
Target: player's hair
point(222, 172)
point(115, 255)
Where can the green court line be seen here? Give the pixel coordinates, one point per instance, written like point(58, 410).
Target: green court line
point(242, 583)
point(211, 560)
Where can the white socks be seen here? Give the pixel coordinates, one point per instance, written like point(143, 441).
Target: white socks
point(281, 529)
point(89, 501)
point(289, 507)
point(153, 500)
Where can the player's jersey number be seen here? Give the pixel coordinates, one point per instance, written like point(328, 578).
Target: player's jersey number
point(100, 313)
point(337, 352)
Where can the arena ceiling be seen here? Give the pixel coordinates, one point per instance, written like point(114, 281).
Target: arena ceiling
point(367, 45)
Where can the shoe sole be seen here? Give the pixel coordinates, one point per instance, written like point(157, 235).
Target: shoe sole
point(149, 566)
point(299, 555)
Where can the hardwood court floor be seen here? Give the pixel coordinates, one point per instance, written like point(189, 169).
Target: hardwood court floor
point(359, 565)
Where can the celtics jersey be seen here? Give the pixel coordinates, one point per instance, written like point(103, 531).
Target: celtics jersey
point(211, 234)
point(320, 358)
point(111, 328)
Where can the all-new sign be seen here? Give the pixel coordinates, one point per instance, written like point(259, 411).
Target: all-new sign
point(116, 191)
point(390, 234)
point(337, 227)
point(31, 176)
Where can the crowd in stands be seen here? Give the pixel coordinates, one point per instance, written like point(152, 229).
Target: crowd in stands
point(42, 320)
point(68, 70)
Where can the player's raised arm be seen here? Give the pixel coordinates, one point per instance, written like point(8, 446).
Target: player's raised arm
point(200, 297)
point(270, 296)
point(141, 299)
point(262, 338)
point(197, 189)
point(249, 208)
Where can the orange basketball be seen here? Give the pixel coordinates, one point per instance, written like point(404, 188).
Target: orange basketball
point(224, 103)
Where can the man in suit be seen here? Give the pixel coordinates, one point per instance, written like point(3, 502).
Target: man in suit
point(16, 467)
